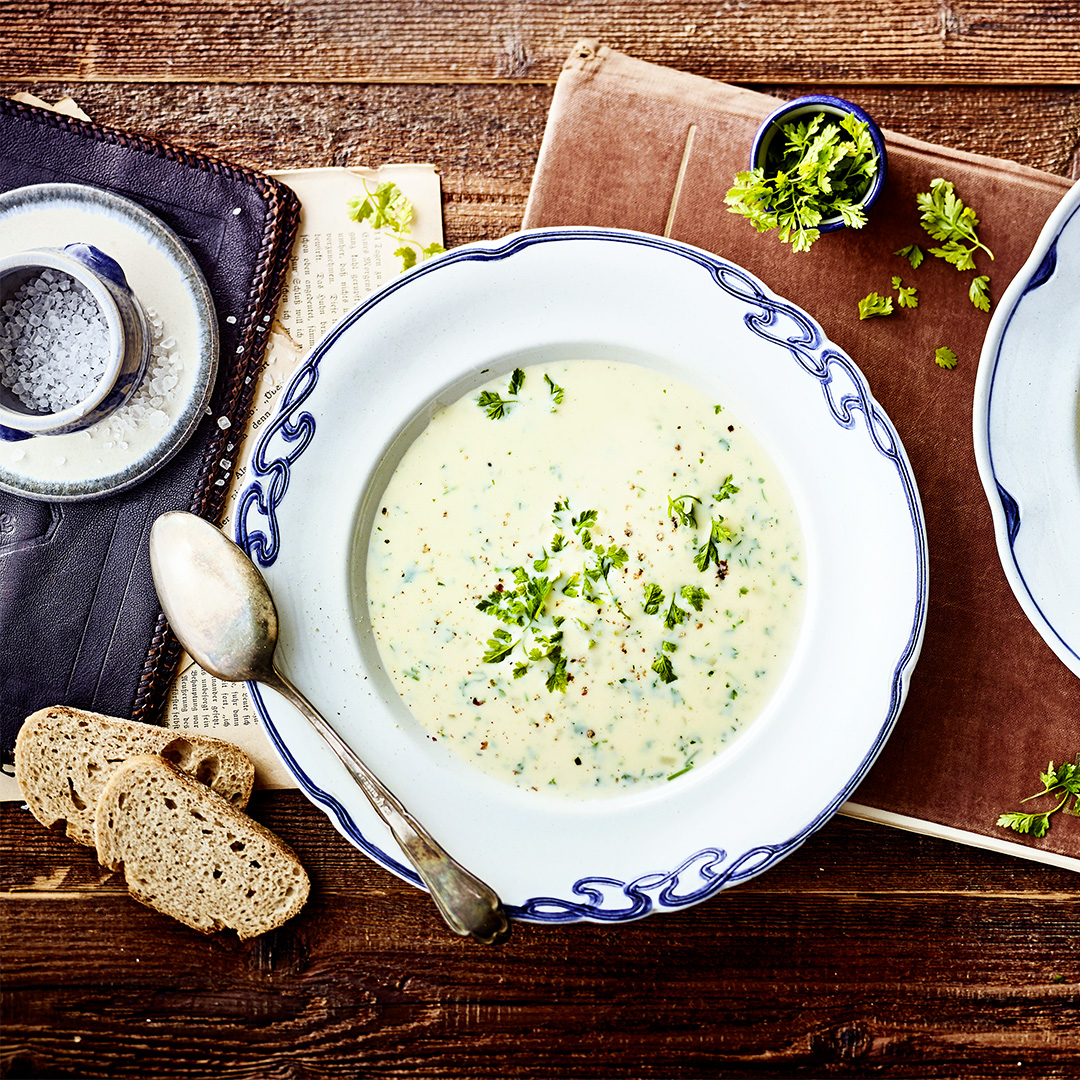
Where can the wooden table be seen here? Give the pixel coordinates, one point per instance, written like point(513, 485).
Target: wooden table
point(869, 951)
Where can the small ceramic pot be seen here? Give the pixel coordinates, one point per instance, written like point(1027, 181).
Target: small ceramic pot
point(129, 338)
point(802, 109)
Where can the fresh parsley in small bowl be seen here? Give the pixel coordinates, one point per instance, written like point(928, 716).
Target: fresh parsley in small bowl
point(817, 164)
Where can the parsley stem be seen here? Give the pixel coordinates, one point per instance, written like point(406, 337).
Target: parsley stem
point(1048, 791)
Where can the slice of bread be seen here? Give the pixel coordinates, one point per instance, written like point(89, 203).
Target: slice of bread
point(189, 853)
point(64, 756)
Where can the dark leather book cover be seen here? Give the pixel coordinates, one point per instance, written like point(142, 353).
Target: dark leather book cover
point(80, 622)
point(633, 145)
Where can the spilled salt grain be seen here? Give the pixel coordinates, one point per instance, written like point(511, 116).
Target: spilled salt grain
point(149, 406)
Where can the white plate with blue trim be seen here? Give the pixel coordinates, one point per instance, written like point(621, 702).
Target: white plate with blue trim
point(448, 326)
point(1027, 431)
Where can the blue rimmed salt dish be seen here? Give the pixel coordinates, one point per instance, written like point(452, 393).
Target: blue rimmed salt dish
point(803, 108)
point(128, 329)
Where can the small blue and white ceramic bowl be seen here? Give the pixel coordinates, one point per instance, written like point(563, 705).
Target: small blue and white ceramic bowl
point(803, 108)
point(129, 338)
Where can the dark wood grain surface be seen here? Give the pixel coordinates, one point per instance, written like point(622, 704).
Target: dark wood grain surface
point(869, 952)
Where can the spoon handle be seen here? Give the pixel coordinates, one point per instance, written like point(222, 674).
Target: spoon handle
point(469, 906)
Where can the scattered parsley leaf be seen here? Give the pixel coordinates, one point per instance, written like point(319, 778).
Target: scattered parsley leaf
point(499, 646)
point(675, 615)
point(977, 293)
point(906, 294)
point(387, 209)
point(1063, 780)
point(495, 404)
point(873, 306)
point(384, 208)
point(913, 253)
point(557, 680)
point(606, 560)
point(945, 357)
point(945, 217)
point(517, 381)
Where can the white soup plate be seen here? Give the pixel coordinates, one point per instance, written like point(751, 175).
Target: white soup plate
point(444, 329)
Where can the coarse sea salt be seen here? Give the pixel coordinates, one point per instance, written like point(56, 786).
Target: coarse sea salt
point(54, 342)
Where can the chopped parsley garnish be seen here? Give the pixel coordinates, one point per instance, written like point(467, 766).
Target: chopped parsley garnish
point(709, 552)
point(727, 489)
point(525, 604)
point(675, 615)
point(695, 596)
point(662, 666)
point(679, 513)
point(495, 404)
point(654, 598)
point(556, 391)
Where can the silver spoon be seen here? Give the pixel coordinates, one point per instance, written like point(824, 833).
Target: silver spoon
point(221, 611)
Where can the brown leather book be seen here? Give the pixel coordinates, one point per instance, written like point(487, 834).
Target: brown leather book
point(637, 146)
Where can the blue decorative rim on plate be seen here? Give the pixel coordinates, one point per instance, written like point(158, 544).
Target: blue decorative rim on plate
point(556, 884)
point(1026, 430)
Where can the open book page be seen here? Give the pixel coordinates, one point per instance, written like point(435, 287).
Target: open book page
point(336, 262)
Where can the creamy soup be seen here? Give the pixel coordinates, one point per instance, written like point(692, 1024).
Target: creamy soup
point(585, 577)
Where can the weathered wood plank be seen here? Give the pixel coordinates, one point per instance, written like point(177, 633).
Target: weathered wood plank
point(485, 139)
point(868, 951)
point(897, 42)
point(882, 951)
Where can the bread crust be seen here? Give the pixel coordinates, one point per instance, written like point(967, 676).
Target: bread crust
point(65, 756)
point(190, 854)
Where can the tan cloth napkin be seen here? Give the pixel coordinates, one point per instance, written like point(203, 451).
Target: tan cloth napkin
point(632, 145)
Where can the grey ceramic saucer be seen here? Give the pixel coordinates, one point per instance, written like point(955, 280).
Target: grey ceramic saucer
point(108, 456)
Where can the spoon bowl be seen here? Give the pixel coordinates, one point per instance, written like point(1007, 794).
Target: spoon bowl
point(221, 611)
